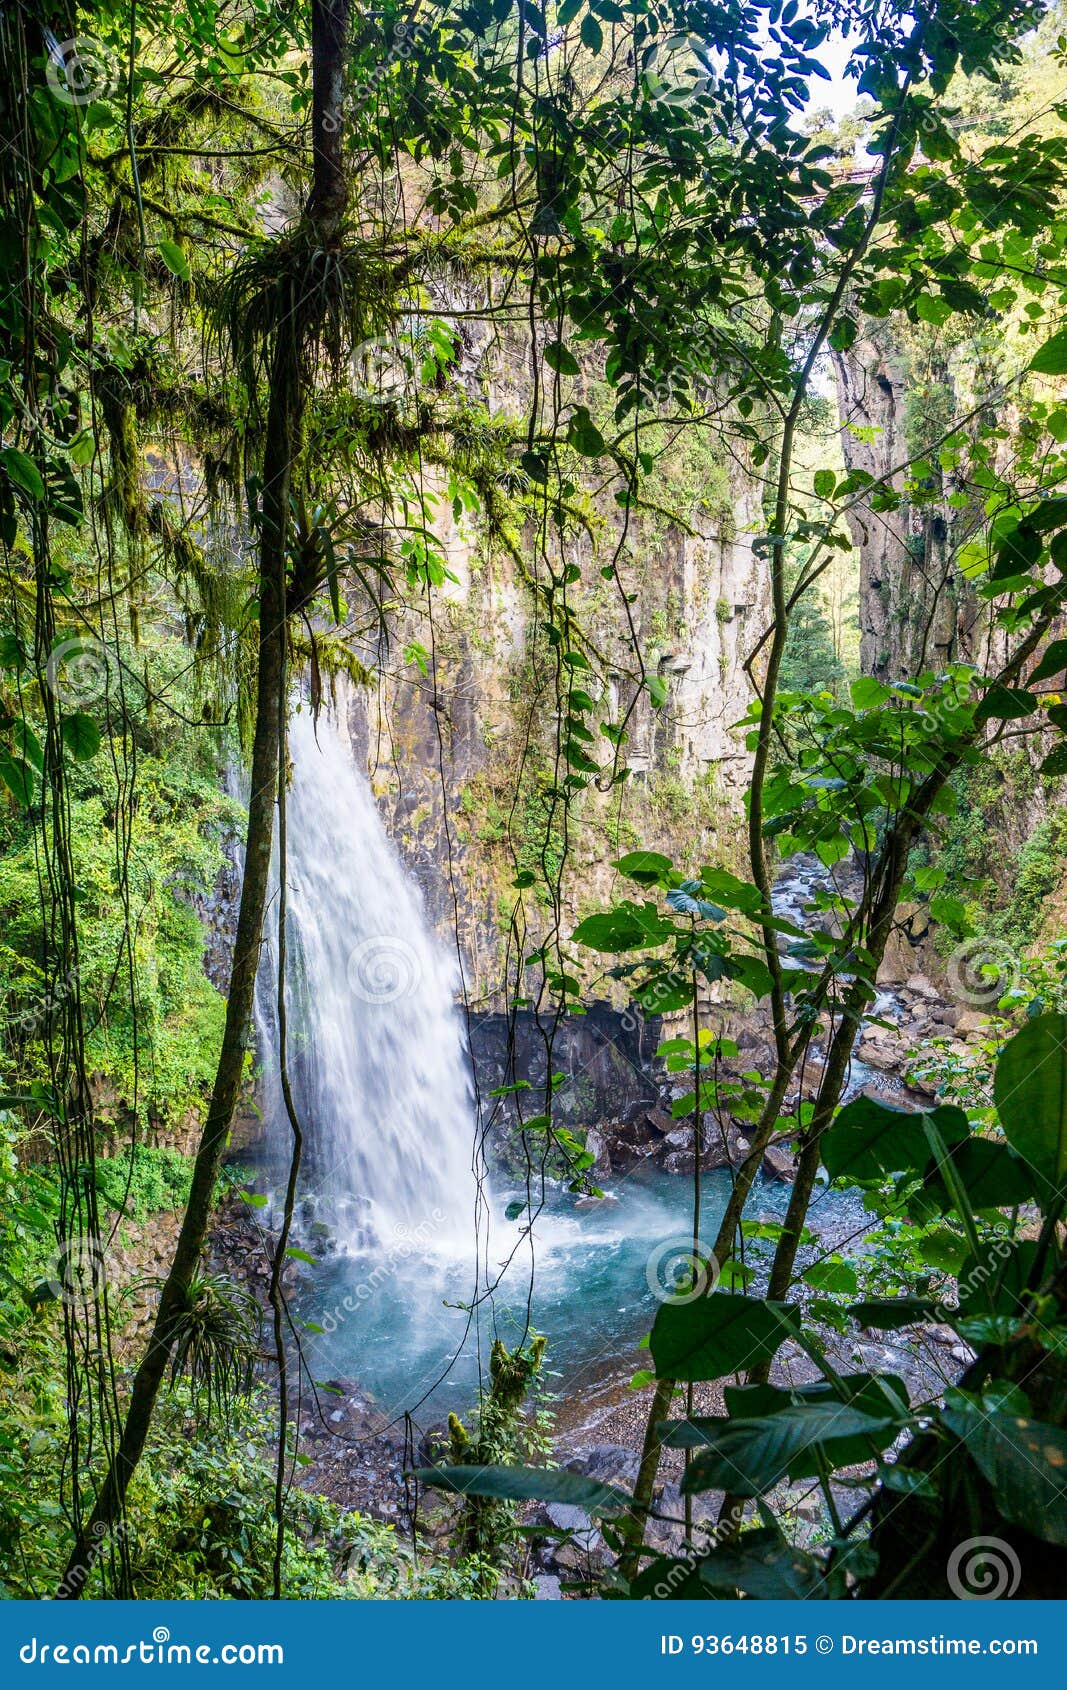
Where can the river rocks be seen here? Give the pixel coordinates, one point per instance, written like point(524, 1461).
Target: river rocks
point(660, 1120)
point(583, 1549)
point(547, 1588)
point(971, 1021)
point(778, 1163)
point(679, 1162)
point(608, 1464)
point(880, 1049)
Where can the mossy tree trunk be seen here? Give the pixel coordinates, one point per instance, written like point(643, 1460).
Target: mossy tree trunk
point(290, 370)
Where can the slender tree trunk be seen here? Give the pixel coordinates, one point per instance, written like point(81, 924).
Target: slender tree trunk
point(283, 421)
point(325, 211)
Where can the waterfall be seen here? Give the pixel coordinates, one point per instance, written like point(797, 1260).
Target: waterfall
point(376, 1048)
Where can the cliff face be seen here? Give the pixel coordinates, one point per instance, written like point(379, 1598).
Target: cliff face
point(462, 758)
point(917, 610)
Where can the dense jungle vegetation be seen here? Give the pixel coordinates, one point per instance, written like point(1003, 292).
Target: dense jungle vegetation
point(309, 313)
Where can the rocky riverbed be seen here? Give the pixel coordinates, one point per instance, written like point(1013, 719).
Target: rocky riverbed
point(620, 1100)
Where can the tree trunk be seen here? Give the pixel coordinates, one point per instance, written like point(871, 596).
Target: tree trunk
point(283, 427)
point(325, 210)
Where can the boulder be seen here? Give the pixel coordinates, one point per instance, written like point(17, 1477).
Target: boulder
point(607, 1201)
point(659, 1120)
point(608, 1464)
point(778, 1163)
point(547, 1588)
point(584, 1543)
point(679, 1162)
point(971, 1021)
point(880, 1049)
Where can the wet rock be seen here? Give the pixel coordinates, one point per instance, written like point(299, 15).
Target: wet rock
point(660, 1120)
point(547, 1588)
point(608, 1464)
point(679, 1162)
point(778, 1163)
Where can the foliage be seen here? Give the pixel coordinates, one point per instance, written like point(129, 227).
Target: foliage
point(153, 1020)
point(687, 233)
point(998, 1433)
point(506, 1433)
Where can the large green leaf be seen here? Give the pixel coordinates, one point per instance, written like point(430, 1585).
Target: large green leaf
point(1053, 661)
point(671, 1580)
point(888, 1314)
point(1030, 1091)
point(647, 867)
point(175, 259)
point(81, 736)
point(877, 1394)
point(628, 927)
point(1025, 1461)
point(750, 1456)
point(720, 1334)
point(23, 472)
point(526, 1484)
point(1005, 704)
point(1051, 359)
point(996, 1279)
point(869, 1140)
point(17, 776)
point(880, 1396)
point(990, 1173)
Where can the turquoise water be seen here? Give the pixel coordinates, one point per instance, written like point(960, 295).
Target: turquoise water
point(399, 1322)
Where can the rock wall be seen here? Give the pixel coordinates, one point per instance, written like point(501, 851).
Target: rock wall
point(917, 610)
point(461, 758)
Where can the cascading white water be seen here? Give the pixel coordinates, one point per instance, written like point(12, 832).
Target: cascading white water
point(376, 1049)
